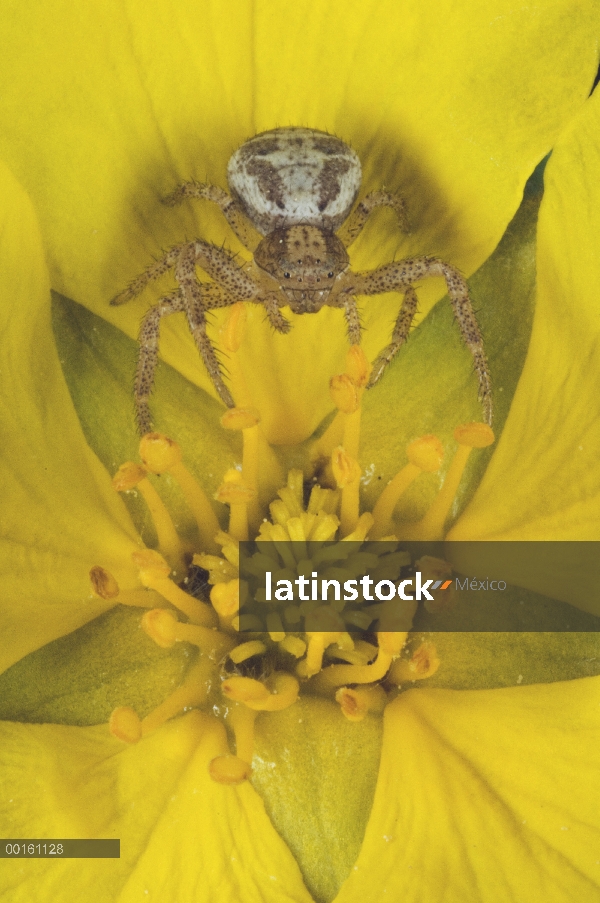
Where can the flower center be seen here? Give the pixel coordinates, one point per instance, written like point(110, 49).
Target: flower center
point(257, 652)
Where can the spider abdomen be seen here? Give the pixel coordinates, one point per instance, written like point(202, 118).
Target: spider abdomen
point(294, 175)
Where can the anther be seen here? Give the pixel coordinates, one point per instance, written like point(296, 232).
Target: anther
point(356, 703)
point(240, 418)
point(358, 367)
point(468, 437)
point(130, 475)
point(125, 725)
point(225, 599)
point(235, 493)
point(346, 471)
point(154, 573)
point(229, 770)
point(162, 455)
point(105, 586)
point(425, 455)
point(423, 663)
point(344, 393)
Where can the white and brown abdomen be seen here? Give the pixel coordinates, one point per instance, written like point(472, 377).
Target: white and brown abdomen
point(294, 175)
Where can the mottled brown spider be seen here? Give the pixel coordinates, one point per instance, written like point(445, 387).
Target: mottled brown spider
point(296, 188)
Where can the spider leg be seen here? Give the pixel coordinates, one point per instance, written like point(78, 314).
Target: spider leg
point(148, 356)
point(403, 274)
point(196, 302)
point(230, 209)
point(149, 275)
point(399, 336)
point(274, 315)
point(353, 226)
point(352, 320)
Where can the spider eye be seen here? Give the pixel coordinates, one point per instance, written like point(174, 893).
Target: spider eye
point(286, 275)
point(330, 275)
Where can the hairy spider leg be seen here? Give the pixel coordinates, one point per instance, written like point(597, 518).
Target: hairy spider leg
point(351, 229)
point(148, 356)
point(212, 297)
point(402, 274)
point(150, 274)
point(399, 336)
point(232, 212)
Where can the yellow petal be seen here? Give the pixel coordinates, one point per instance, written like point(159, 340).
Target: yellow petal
point(453, 110)
point(183, 837)
point(60, 515)
point(549, 453)
point(488, 795)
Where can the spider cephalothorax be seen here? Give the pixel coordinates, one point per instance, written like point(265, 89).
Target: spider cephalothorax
point(296, 188)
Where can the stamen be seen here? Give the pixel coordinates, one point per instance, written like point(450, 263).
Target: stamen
point(425, 455)
point(229, 770)
point(164, 628)
point(247, 420)
point(242, 721)
point(235, 493)
point(257, 695)
point(125, 724)
point(154, 573)
point(347, 476)
point(162, 455)
point(390, 645)
point(105, 586)
point(247, 650)
point(431, 527)
point(225, 599)
point(423, 663)
point(130, 475)
point(356, 703)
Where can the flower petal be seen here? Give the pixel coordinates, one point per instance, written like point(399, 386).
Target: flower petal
point(549, 453)
point(60, 515)
point(132, 101)
point(183, 837)
point(486, 795)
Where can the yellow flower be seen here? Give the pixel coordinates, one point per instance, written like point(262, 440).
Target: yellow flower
point(482, 794)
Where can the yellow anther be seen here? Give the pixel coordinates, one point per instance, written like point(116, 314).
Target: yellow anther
point(128, 476)
point(426, 453)
point(219, 569)
point(247, 650)
point(237, 493)
point(154, 573)
point(240, 418)
point(356, 703)
point(229, 770)
point(431, 527)
point(244, 689)
point(345, 468)
point(423, 663)
point(103, 583)
point(340, 675)
point(125, 725)
point(225, 599)
point(284, 693)
point(161, 626)
point(234, 492)
point(358, 367)
point(151, 565)
point(159, 453)
point(232, 331)
point(275, 627)
point(294, 645)
point(474, 435)
point(344, 393)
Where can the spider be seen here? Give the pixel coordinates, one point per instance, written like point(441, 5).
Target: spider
point(292, 193)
